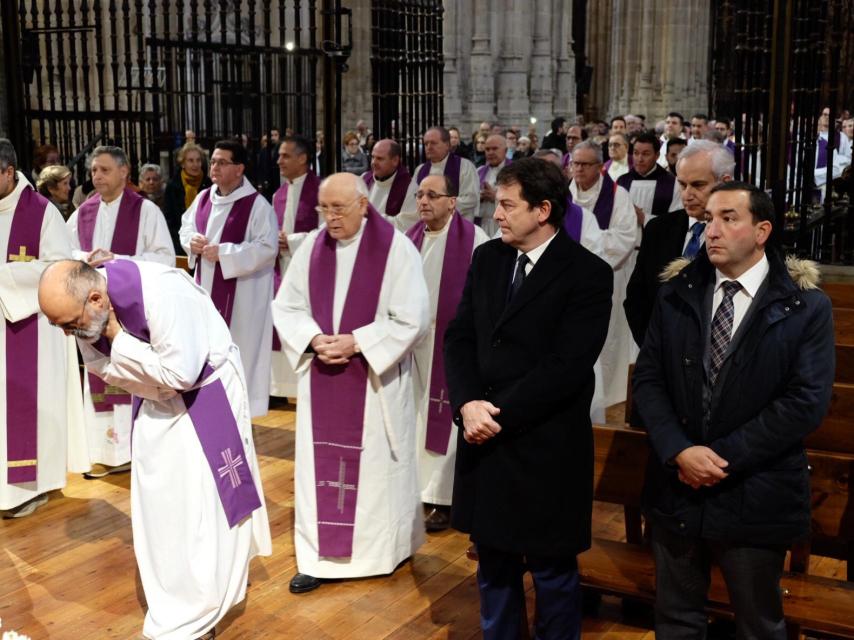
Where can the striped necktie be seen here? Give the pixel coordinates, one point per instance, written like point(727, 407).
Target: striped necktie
point(722, 329)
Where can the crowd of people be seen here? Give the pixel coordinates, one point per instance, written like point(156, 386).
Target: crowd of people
point(449, 335)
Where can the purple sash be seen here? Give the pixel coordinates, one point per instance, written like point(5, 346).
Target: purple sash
point(821, 158)
point(126, 232)
point(604, 206)
point(223, 289)
point(481, 174)
point(338, 392)
point(455, 264)
point(452, 169)
point(22, 349)
point(573, 219)
point(397, 192)
point(664, 185)
point(305, 221)
point(208, 406)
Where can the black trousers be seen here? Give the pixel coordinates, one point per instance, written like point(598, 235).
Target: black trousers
point(682, 575)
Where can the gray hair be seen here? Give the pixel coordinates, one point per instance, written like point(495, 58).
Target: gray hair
point(542, 153)
point(117, 153)
point(8, 157)
point(593, 146)
point(150, 166)
point(721, 159)
point(359, 185)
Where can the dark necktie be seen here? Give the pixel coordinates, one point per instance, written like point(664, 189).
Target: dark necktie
point(722, 329)
point(519, 276)
point(693, 245)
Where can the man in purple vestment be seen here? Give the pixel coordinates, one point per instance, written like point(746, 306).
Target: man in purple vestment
point(388, 179)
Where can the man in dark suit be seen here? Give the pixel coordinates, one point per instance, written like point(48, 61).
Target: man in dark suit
point(737, 368)
point(519, 359)
point(700, 168)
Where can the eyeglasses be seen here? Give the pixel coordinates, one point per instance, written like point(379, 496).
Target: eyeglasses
point(74, 324)
point(432, 195)
point(335, 209)
point(222, 163)
point(583, 165)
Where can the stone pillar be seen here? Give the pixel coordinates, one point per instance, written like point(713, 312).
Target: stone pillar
point(453, 103)
point(482, 102)
point(542, 74)
point(564, 104)
point(600, 28)
point(512, 104)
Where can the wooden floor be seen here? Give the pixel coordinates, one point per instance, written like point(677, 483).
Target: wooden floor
point(68, 572)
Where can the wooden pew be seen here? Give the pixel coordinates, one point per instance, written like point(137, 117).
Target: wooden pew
point(841, 294)
point(843, 325)
point(627, 569)
point(836, 432)
point(181, 263)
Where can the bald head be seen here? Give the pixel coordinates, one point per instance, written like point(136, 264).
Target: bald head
point(385, 158)
point(343, 199)
point(495, 150)
point(73, 296)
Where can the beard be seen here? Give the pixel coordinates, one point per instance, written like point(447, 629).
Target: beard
point(93, 331)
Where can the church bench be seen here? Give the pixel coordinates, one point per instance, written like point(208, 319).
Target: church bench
point(836, 433)
point(627, 568)
point(841, 294)
point(843, 325)
point(844, 363)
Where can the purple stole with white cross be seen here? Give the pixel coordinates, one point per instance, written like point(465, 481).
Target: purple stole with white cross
point(452, 169)
point(22, 349)
point(223, 289)
point(124, 242)
point(338, 391)
point(664, 185)
point(207, 404)
point(305, 221)
point(455, 264)
point(397, 192)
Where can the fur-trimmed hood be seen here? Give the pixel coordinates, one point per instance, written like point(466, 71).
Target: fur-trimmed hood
point(806, 274)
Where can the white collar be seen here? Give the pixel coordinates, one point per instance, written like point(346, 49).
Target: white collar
point(537, 252)
point(298, 181)
point(750, 280)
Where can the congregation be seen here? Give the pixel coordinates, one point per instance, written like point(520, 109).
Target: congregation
point(449, 335)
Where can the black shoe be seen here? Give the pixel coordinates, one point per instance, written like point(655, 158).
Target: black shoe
point(303, 583)
point(437, 519)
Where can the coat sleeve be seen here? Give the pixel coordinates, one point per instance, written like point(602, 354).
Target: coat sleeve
point(650, 395)
point(638, 304)
point(800, 407)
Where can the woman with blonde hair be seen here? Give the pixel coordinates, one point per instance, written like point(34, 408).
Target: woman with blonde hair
point(54, 183)
point(185, 185)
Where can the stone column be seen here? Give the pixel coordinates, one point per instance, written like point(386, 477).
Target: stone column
point(482, 105)
point(542, 75)
point(453, 103)
point(512, 104)
point(564, 104)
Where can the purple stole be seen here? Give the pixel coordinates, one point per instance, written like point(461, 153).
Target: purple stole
point(305, 221)
point(223, 289)
point(338, 391)
point(452, 169)
point(664, 182)
point(22, 349)
point(604, 207)
point(208, 406)
point(610, 161)
point(573, 219)
point(124, 242)
point(567, 158)
point(821, 157)
point(397, 193)
point(455, 263)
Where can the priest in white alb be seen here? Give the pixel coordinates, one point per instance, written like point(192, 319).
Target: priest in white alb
point(446, 241)
point(495, 150)
point(116, 222)
point(295, 206)
point(41, 423)
point(230, 234)
point(197, 507)
point(351, 308)
point(388, 178)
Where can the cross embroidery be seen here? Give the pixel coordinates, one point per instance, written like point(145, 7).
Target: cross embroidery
point(21, 256)
point(340, 485)
point(230, 467)
point(441, 400)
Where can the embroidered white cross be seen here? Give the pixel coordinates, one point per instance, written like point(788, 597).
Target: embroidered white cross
point(340, 485)
point(230, 467)
point(441, 400)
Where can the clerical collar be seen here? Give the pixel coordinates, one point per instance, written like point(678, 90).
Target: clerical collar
point(388, 179)
point(348, 241)
point(299, 180)
point(114, 202)
point(648, 173)
point(441, 162)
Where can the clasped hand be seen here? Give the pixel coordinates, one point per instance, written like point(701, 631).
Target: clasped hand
point(335, 349)
point(700, 467)
point(478, 423)
point(99, 256)
point(199, 245)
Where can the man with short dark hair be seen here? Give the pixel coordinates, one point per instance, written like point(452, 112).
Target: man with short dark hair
point(231, 239)
point(618, 125)
point(674, 148)
point(699, 126)
point(519, 358)
point(674, 125)
point(556, 138)
point(736, 370)
point(653, 189)
point(388, 178)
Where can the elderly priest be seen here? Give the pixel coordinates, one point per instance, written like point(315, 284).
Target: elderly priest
point(197, 508)
point(352, 306)
point(39, 385)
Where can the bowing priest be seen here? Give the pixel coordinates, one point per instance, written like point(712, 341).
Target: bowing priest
point(351, 308)
point(41, 424)
point(653, 189)
point(197, 507)
point(388, 179)
point(446, 241)
point(231, 239)
point(116, 222)
point(440, 160)
point(612, 206)
point(295, 205)
point(495, 150)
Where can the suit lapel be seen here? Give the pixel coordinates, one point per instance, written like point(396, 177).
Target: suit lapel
point(500, 281)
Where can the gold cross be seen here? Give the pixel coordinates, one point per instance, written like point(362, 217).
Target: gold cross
point(21, 256)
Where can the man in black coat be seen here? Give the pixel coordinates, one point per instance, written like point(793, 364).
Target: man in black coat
point(700, 168)
point(519, 358)
point(737, 368)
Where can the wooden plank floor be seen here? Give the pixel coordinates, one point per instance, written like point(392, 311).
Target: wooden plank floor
point(68, 572)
